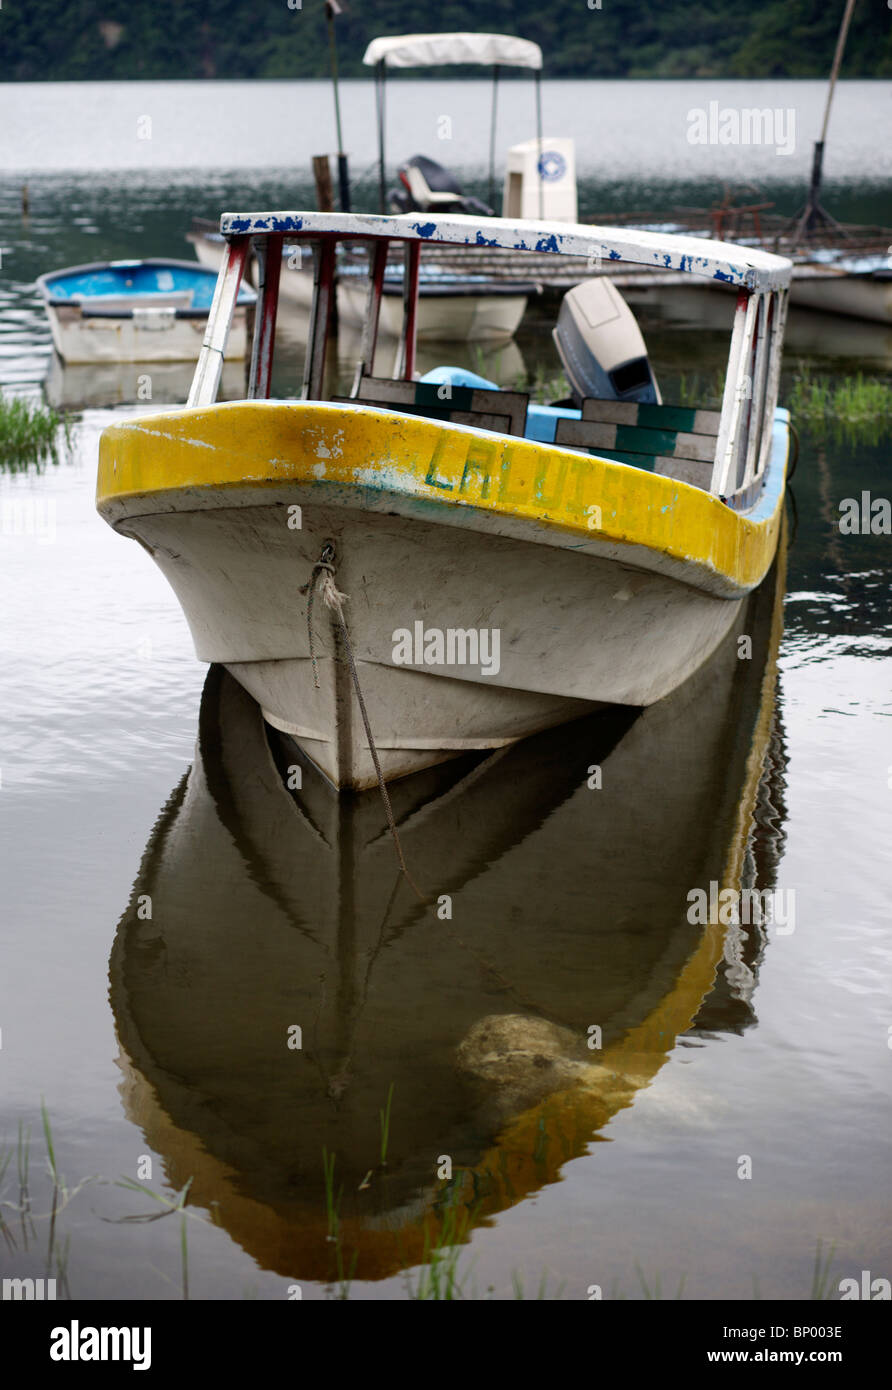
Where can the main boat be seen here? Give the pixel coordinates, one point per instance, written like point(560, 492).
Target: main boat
point(415, 569)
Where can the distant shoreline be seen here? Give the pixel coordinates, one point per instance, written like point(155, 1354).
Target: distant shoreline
point(439, 75)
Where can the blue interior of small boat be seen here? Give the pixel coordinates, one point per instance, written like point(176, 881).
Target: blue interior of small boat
point(139, 278)
point(541, 419)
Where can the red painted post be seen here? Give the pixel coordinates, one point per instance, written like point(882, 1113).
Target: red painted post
point(317, 338)
point(410, 300)
point(262, 365)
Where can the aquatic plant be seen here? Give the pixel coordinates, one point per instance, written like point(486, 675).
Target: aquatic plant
point(700, 390)
point(821, 1291)
point(441, 1275)
point(344, 1273)
point(543, 386)
point(384, 1117)
point(31, 434)
point(857, 408)
point(438, 1277)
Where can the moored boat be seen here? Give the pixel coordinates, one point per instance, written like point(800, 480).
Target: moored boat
point(452, 306)
point(487, 567)
point(857, 286)
point(136, 311)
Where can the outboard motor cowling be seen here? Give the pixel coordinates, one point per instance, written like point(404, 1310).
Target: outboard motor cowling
point(601, 347)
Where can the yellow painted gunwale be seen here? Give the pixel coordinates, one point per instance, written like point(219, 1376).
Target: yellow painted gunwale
point(260, 444)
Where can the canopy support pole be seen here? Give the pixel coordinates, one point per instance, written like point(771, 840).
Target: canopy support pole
point(404, 367)
point(380, 94)
point(366, 364)
point(320, 319)
point(738, 387)
point(268, 251)
point(492, 136)
point(216, 335)
point(539, 143)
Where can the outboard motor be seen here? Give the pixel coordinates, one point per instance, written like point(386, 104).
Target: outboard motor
point(601, 347)
point(429, 187)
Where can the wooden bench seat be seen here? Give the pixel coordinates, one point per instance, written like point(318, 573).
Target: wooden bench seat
point(676, 441)
point(505, 412)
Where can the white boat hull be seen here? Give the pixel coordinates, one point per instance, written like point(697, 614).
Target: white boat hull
point(446, 318)
point(150, 336)
point(574, 630)
point(841, 292)
point(441, 318)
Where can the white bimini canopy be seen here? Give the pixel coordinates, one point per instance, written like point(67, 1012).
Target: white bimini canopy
point(434, 50)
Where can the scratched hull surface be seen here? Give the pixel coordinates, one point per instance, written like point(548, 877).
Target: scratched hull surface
point(274, 907)
point(83, 340)
point(622, 613)
point(594, 632)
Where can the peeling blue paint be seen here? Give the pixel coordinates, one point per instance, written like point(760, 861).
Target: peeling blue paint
point(756, 270)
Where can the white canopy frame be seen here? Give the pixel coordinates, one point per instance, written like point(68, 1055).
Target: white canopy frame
point(743, 443)
point(440, 50)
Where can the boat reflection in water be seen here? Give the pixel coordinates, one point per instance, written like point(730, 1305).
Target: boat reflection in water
point(273, 907)
point(78, 385)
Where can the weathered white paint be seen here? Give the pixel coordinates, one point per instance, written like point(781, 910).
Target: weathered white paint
point(840, 292)
point(149, 335)
point(747, 267)
point(575, 629)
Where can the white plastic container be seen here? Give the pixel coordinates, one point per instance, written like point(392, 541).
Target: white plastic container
point(555, 171)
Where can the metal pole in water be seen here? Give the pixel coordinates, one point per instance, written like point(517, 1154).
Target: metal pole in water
point(539, 143)
point(837, 63)
point(492, 136)
point(332, 8)
point(813, 214)
point(379, 93)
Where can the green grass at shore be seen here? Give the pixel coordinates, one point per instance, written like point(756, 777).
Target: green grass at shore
point(854, 406)
point(31, 434)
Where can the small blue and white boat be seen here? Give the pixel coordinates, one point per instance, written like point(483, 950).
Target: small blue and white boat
point(136, 311)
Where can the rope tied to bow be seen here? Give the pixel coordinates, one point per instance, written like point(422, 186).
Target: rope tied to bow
point(331, 597)
point(334, 600)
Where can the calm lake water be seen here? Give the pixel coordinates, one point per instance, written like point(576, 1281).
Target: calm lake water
point(128, 773)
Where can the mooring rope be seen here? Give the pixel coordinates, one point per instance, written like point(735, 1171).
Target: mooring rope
point(334, 600)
